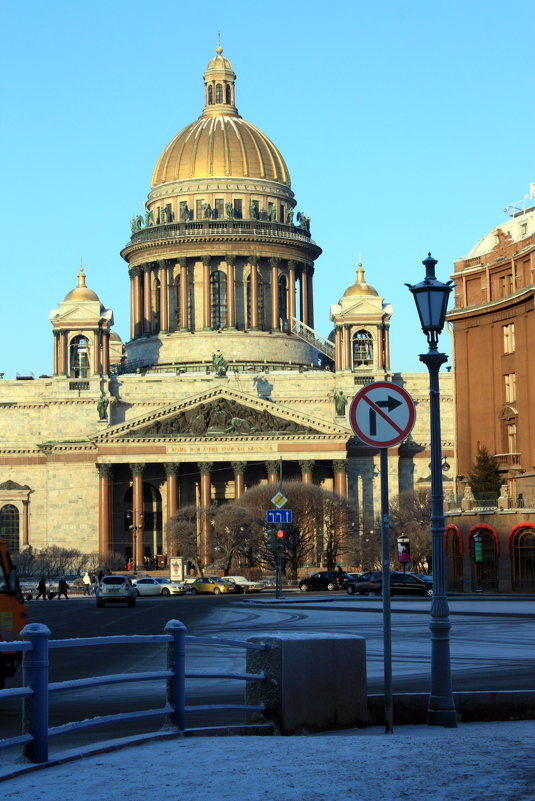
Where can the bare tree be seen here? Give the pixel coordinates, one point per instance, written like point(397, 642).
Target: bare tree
point(232, 525)
point(319, 528)
point(182, 535)
point(410, 514)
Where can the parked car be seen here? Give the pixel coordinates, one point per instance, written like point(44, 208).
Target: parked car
point(115, 589)
point(246, 584)
point(209, 585)
point(324, 580)
point(400, 584)
point(157, 586)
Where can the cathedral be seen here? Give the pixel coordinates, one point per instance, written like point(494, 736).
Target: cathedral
point(224, 380)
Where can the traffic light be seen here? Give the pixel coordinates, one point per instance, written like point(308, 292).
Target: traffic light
point(271, 540)
point(280, 541)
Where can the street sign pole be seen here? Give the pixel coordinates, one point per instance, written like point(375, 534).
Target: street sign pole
point(382, 415)
point(387, 615)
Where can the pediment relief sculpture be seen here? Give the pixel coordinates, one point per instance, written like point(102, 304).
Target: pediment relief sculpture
point(223, 417)
point(12, 485)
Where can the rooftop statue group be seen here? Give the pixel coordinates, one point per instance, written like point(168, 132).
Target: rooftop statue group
point(165, 215)
point(220, 364)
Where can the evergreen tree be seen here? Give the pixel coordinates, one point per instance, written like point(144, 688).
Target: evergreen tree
point(484, 475)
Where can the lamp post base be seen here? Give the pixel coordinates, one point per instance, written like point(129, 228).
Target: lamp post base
point(442, 717)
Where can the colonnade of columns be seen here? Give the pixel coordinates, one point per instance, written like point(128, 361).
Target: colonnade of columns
point(152, 290)
point(99, 351)
point(106, 540)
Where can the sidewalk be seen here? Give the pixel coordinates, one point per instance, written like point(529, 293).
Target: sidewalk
point(489, 761)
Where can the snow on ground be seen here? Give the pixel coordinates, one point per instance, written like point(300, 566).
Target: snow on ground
point(474, 762)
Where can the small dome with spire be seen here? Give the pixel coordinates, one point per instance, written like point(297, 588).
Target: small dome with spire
point(360, 287)
point(82, 292)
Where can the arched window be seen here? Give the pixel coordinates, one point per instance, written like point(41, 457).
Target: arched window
point(9, 527)
point(79, 357)
point(227, 95)
point(218, 93)
point(484, 574)
point(210, 95)
point(522, 546)
point(218, 298)
point(283, 294)
point(454, 551)
point(362, 348)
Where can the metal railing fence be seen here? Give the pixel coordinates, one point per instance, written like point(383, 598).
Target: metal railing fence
point(36, 689)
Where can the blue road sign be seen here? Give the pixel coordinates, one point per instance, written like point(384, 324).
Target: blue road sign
point(279, 515)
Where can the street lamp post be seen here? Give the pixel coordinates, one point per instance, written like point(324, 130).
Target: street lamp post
point(431, 298)
point(135, 527)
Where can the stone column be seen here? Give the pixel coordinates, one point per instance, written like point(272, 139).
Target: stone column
point(310, 292)
point(253, 261)
point(147, 300)
point(206, 311)
point(291, 290)
point(138, 531)
point(338, 348)
point(304, 295)
point(171, 472)
point(104, 509)
point(106, 352)
point(274, 264)
point(63, 359)
point(239, 478)
point(132, 303)
point(164, 297)
point(272, 470)
point(205, 543)
point(97, 352)
point(231, 291)
point(306, 471)
point(184, 321)
point(340, 477)
point(387, 346)
point(25, 521)
point(137, 301)
point(347, 347)
point(56, 340)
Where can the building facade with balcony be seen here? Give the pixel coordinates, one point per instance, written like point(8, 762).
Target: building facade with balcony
point(224, 375)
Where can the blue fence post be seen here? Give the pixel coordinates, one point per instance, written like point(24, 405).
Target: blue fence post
point(35, 676)
point(176, 661)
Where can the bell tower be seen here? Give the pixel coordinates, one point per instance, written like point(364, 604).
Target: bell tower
point(361, 331)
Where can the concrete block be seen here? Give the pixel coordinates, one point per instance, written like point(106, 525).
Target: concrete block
point(313, 681)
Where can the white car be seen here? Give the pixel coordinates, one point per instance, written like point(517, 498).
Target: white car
point(246, 584)
point(115, 589)
point(157, 586)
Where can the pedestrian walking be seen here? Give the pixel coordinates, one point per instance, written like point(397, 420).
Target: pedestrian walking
point(87, 583)
point(41, 589)
point(62, 589)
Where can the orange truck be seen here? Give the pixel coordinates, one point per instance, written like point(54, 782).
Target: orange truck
point(12, 613)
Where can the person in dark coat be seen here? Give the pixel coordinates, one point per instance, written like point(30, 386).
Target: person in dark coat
point(41, 587)
point(62, 589)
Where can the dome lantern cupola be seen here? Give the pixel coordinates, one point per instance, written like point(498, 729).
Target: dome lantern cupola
point(219, 89)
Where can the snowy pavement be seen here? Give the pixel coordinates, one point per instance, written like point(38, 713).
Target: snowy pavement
point(474, 762)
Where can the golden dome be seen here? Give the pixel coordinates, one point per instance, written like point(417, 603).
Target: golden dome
point(360, 287)
point(220, 143)
point(81, 292)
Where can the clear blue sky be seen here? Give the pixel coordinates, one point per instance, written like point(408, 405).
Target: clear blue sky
point(406, 127)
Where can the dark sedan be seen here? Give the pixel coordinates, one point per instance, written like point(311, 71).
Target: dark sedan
point(324, 580)
point(400, 584)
